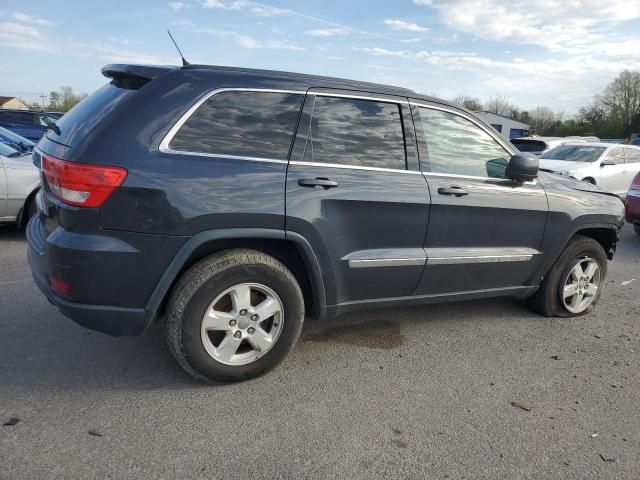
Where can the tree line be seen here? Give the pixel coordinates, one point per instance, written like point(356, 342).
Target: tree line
point(61, 100)
point(615, 113)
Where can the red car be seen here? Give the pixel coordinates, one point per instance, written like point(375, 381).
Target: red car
point(632, 204)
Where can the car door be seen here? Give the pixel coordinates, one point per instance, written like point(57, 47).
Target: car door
point(612, 177)
point(355, 192)
point(632, 166)
point(485, 230)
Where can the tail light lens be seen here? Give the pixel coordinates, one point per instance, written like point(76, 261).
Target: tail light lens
point(636, 183)
point(81, 184)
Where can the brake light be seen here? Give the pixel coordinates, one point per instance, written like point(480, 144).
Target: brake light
point(81, 184)
point(60, 286)
point(635, 185)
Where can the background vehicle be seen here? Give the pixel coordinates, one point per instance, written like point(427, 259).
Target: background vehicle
point(632, 204)
point(235, 211)
point(19, 182)
point(539, 145)
point(611, 167)
point(31, 125)
point(636, 141)
point(54, 115)
point(15, 141)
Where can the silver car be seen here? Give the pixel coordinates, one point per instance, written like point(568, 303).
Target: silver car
point(19, 182)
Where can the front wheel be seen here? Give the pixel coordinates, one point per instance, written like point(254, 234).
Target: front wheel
point(575, 282)
point(233, 316)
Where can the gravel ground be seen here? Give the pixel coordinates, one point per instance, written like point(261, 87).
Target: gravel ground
point(411, 393)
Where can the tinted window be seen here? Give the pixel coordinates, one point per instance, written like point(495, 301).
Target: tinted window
point(356, 132)
point(578, 153)
point(24, 118)
point(616, 154)
point(633, 155)
point(247, 124)
point(529, 145)
point(7, 151)
point(456, 145)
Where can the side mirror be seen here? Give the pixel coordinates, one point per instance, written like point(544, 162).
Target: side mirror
point(607, 161)
point(523, 167)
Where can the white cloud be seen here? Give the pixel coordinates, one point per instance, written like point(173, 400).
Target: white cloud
point(268, 11)
point(327, 32)
point(177, 6)
point(247, 41)
point(568, 82)
point(23, 17)
point(405, 26)
point(559, 26)
point(22, 36)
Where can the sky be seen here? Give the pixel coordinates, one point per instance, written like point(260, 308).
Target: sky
point(555, 53)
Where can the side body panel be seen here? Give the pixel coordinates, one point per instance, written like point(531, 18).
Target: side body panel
point(23, 178)
point(3, 191)
point(368, 231)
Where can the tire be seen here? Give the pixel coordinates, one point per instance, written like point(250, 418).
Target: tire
point(589, 180)
point(29, 210)
point(637, 229)
point(548, 299)
point(205, 282)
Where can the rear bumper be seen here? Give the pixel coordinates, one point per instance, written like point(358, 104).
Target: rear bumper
point(47, 259)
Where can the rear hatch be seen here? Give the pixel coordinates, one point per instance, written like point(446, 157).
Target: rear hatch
point(126, 80)
point(73, 184)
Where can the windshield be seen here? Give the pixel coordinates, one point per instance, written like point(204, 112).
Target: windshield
point(574, 153)
point(7, 151)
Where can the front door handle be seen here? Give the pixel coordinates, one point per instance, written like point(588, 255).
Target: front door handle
point(317, 182)
point(457, 191)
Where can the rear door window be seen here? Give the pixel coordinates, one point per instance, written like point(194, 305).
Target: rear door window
point(616, 154)
point(356, 132)
point(22, 118)
point(241, 124)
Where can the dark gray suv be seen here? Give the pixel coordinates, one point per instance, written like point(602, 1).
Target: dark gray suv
point(233, 203)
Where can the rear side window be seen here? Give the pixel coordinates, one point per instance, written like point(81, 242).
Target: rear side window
point(457, 146)
point(244, 124)
point(615, 154)
point(633, 155)
point(356, 132)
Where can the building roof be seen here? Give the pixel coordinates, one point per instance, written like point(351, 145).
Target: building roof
point(6, 99)
point(486, 112)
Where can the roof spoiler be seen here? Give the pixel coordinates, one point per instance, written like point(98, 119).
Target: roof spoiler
point(142, 72)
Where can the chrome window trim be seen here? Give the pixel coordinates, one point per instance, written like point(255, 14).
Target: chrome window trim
point(358, 97)
point(353, 167)
point(164, 144)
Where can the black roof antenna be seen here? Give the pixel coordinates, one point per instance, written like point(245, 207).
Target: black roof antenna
point(184, 60)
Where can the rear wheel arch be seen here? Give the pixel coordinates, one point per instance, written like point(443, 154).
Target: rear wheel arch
point(293, 251)
point(590, 180)
point(27, 208)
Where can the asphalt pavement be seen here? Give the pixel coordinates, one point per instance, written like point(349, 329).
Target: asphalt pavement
point(483, 389)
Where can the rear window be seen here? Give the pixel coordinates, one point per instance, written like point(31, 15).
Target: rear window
point(574, 153)
point(356, 132)
point(244, 124)
point(82, 118)
point(529, 145)
point(22, 118)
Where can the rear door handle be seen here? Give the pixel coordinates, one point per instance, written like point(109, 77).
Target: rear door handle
point(317, 182)
point(457, 191)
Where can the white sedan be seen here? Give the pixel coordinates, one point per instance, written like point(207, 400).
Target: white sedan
point(19, 182)
point(610, 166)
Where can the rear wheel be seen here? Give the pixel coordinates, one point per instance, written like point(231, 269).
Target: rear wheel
point(637, 229)
point(575, 282)
point(233, 316)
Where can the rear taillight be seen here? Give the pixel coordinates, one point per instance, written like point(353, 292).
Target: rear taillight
point(635, 185)
point(81, 184)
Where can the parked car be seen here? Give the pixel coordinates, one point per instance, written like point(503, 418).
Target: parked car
point(234, 202)
point(540, 145)
point(609, 166)
point(31, 125)
point(19, 182)
point(19, 143)
point(636, 141)
point(632, 204)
